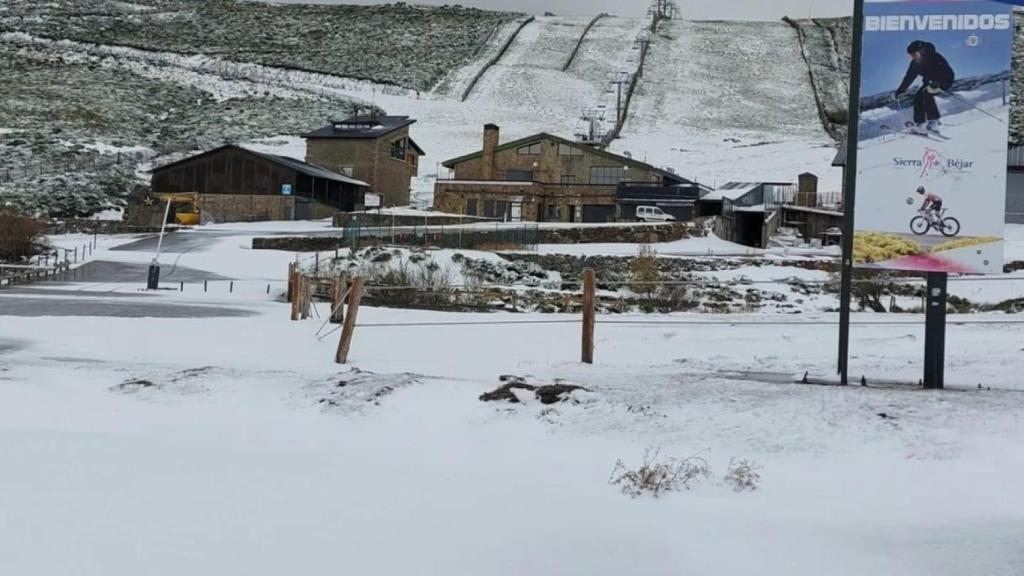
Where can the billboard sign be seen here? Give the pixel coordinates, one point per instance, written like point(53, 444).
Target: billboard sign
point(934, 99)
point(372, 200)
point(286, 189)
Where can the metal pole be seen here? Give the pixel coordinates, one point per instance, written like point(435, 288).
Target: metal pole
point(935, 331)
point(852, 135)
point(153, 281)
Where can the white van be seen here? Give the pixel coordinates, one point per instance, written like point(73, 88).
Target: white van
point(653, 214)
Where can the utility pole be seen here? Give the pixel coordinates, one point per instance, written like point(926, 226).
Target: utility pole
point(619, 81)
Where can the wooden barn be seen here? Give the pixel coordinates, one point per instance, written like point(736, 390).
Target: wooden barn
point(232, 184)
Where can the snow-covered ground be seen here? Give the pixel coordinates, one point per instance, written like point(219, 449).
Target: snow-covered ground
point(227, 445)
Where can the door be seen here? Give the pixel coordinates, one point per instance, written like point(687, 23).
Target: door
point(303, 209)
point(517, 212)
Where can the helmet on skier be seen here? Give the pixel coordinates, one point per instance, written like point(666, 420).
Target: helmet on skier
point(916, 46)
point(920, 189)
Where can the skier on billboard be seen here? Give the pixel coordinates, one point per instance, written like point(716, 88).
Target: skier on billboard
point(937, 77)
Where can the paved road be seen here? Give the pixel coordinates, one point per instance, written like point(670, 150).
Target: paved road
point(111, 307)
point(102, 271)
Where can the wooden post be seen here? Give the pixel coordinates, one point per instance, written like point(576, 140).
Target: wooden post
point(296, 277)
point(350, 321)
point(307, 295)
point(588, 316)
point(291, 282)
point(338, 301)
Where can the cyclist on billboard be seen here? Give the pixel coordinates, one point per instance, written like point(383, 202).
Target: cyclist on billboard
point(936, 76)
point(932, 201)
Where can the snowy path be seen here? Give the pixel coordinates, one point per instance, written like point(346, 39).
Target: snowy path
point(721, 101)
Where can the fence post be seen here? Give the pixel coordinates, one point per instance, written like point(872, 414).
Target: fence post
point(337, 301)
point(350, 321)
point(588, 316)
point(290, 292)
point(296, 279)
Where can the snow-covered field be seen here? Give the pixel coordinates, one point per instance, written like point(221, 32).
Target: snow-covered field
point(707, 107)
point(214, 445)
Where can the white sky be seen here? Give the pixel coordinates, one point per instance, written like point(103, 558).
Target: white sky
point(692, 9)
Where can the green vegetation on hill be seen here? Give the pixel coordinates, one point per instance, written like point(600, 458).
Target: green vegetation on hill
point(398, 44)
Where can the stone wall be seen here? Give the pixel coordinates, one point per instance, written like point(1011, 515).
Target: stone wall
point(371, 219)
point(230, 208)
point(527, 235)
point(81, 226)
point(540, 202)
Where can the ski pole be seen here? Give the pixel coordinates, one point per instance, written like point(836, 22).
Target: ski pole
point(967, 102)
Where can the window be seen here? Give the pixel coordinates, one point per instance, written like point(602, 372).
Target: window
point(398, 149)
point(553, 213)
point(471, 207)
point(607, 174)
point(568, 179)
point(519, 175)
point(501, 209)
point(567, 150)
point(489, 208)
point(530, 149)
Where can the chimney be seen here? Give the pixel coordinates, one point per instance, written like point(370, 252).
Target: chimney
point(807, 190)
point(490, 143)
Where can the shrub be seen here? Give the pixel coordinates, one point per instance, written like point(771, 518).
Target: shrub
point(20, 236)
point(743, 475)
point(643, 275)
point(656, 475)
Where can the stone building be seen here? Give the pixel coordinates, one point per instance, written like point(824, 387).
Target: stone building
point(233, 184)
point(373, 148)
point(547, 178)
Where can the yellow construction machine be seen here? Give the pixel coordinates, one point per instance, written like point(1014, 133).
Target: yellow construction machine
point(190, 215)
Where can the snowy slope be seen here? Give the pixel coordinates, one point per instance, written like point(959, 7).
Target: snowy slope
point(721, 100)
point(529, 75)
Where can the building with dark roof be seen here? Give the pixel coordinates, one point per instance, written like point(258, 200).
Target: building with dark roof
point(233, 183)
point(548, 178)
point(373, 148)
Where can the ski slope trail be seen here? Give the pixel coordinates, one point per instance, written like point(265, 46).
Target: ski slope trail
point(722, 100)
point(607, 49)
point(529, 76)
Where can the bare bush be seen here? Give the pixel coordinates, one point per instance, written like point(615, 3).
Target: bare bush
point(20, 236)
point(743, 475)
point(644, 276)
point(656, 474)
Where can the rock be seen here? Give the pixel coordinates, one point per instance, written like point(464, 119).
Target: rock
point(555, 393)
point(546, 393)
point(504, 392)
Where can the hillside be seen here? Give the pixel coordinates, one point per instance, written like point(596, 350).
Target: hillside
point(397, 44)
point(728, 100)
point(108, 88)
point(105, 88)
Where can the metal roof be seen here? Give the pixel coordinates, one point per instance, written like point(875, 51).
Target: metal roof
point(367, 126)
point(586, 147)
point(293, 163)
point(309, 169)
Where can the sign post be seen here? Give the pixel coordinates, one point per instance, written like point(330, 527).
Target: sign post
point(935, 331)
point(926, 154)
point(850, 194)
